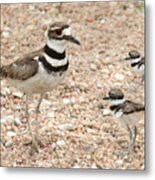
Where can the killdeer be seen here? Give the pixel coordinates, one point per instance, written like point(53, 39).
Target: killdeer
point(126, 112)
point(137, 62)
point(41, 71)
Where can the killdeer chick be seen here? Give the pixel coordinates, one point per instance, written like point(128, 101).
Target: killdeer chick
point(137, 62)
point(41, 71)
point(126, 112)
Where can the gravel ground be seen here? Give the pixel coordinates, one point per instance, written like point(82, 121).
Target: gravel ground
point(76, 127)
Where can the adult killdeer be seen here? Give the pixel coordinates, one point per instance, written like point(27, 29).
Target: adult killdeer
point(42, 70)
point(137, 62)
point(125, 112)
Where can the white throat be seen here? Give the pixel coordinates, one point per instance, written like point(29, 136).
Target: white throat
point(117, 102)
point(135, 60)
point(58, 46)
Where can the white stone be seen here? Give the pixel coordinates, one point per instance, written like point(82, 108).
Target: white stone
point(17, 94)
point(65, 127)
point(106, 112)
point(76, 166)
point(11, 134)
point(17, 121)
point(119, 161)
point(61, 143)
point(45, 103)
point(7, 119)
point(119, 77)
point(5, 91)
point(66, 101)
point(8, 143)
point(50, 115)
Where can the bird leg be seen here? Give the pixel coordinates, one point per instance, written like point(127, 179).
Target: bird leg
point(132, 138)
point(34, 147)
point(36, 121)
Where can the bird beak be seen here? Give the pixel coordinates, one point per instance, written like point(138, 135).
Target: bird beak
point(127, 58)
point(72, 39)
point(106, 98)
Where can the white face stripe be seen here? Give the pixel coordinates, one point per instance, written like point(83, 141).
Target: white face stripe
point(67, 31)
point(117, 102)
point(135, 60)
point(54, 28)
point(55, 62)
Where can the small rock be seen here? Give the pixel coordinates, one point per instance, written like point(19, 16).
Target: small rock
point(7, 119)
point(8, 143)
point(119, 162)
point(119, 76)
point(50, 115)
point(45, 103)
point(5, 91)
point(65, 127)
point(11, 133)
point(106, 112)
point(100, 105)
point(94, 166)
point(17, 94)
point(76, 166)
point(66, 101)
point(102, 21)
point(61, 143)
point(6, 32)
point(93, 67)
point(17, 121)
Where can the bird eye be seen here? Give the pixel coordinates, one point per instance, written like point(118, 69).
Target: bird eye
point(58, 32)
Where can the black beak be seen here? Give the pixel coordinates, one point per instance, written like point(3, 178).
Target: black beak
point(127, 58)
point(106, 98)
point(72, 39)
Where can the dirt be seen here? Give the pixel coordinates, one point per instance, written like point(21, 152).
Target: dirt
point(74, 128)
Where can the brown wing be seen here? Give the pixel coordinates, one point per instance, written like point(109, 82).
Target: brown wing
point(130, 107)
point(21, 69)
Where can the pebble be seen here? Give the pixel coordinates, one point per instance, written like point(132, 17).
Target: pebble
point(93, 67)
point(100, 105)
point(5, 91)
point(7, 119)
point(119, 76)
point(66, 101)
point(8, 143)
point(50, 115)
point(76, 166)
point(106, 112)
point(65, 127)
point(94, 166)
point(6, 32)
point(46, 103)
point(119, 161)
point(11, 133)
point(17, 94)
point(61, 143)
point(3, 101)
point(17, 121)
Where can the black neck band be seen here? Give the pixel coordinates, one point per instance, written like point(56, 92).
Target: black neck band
point(135, 64)
point(53, 54)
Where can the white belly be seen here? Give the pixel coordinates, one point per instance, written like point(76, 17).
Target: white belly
point(40, 83)
point(131, 119)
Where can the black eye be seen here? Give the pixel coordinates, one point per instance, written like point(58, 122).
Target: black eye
point(58, 32)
